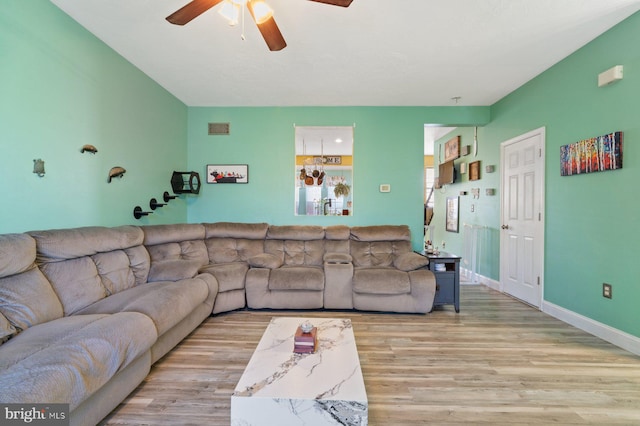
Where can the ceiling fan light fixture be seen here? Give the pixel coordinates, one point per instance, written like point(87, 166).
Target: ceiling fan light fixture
point(261, 11)
point(230, 11)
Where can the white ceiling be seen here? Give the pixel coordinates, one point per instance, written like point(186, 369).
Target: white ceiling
point(324, 140)
point(376, 52)
point(432, 134)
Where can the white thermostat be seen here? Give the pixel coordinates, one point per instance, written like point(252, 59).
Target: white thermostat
point(385, 187)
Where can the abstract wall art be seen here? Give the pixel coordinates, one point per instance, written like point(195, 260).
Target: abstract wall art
point(592, 155)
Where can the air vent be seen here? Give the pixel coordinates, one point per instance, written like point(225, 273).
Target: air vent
point(219, 128)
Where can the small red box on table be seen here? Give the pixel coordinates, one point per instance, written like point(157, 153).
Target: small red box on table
point(305, 343)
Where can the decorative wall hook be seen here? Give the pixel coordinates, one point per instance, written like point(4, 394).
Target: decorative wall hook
point(154, 204)
point(88, 148)
point(38, 167)
point(116, 172)
point(138, 213)
point(167, 197)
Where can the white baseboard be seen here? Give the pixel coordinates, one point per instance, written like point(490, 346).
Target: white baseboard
point(612, 335)
point(480, 279)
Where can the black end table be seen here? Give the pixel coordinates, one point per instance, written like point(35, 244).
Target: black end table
point(446, 268)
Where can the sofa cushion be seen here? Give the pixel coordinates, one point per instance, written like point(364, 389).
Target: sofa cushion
point(27, 299)
point(265, 260)
point(227, 250)
point(230, 276)
point(17, 253)
point(372, 254)
point(336, 238)
point(6, 329)
point(165, 302)
point(68, 359)
point(113, 269)
point(410, 261)
point(337, 232)
point(182, 250)
point(76, 282)
point(173, 270)
point(381, 233)
point(295, 232)
point(296, 278)
point(381, 281)
point(139, 263)
point(247, 231)
point(61, 244)
point(297, 252)
point(333, 257)
point(172, 233)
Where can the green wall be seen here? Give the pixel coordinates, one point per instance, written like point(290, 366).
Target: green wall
point(61, 88)
point(591, 233)
point(482, 211)
point(388, 148)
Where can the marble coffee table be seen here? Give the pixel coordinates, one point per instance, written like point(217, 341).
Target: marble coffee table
point(279, 387)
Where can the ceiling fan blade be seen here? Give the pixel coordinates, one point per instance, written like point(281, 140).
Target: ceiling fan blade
point(191, 11)
point(343, 3)
point(270, 31)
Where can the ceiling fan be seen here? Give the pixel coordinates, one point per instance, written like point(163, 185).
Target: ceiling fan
point(260, 12)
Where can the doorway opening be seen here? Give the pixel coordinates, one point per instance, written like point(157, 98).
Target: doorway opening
point(431, 134)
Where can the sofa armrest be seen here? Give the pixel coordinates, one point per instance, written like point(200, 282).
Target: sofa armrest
point(333, 257)
point(173, 270)
point(265, 260)
point(410, 261)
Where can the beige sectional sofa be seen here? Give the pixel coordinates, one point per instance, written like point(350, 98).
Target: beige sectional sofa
point(85, 312)
point(83, 315)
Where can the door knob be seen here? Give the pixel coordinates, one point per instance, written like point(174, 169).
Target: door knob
point(505, 226)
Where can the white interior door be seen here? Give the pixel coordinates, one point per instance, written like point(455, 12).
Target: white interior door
point(522, 233)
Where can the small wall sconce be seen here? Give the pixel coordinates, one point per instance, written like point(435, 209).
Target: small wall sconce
point(490, 191)
point(490, 169)
point(38, 167)
point(475, 192)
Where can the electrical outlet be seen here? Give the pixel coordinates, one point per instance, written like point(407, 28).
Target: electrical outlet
point(607, 291)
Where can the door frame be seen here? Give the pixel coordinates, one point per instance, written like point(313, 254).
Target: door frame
point(540, 229)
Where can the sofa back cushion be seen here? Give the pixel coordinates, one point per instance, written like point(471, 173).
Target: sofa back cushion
point(379, 246)
point(228, 242)
point(176, 242)
point(26, 297)
point(337, 239)
point(296, 245)
point(85, 265)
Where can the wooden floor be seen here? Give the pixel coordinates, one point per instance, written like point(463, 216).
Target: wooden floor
point(497, 362)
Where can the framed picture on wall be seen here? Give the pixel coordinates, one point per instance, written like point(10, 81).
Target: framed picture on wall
point(227, 173)
point(452, 214)
point(452, 149)
point(474, 170)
